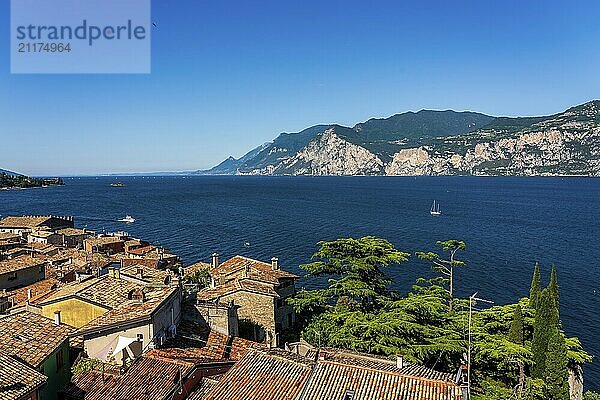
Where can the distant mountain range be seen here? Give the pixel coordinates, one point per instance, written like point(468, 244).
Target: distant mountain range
point(434, 143)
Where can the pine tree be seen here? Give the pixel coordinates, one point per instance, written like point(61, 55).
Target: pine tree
point(556, 375)
point(536, 285)
point(553, 287)
point(544, 326)
point(516, 335)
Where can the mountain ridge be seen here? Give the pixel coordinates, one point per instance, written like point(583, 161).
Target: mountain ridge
point(432, 142)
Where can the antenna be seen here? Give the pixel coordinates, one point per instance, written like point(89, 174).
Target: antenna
point(473, 298)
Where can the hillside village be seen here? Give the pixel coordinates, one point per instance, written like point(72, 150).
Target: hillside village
point(108, 316)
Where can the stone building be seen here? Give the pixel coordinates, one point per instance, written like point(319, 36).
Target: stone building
point(29, 223)
point(253, 290)
point(41, 343)
point(21, 271)
point(105, 245)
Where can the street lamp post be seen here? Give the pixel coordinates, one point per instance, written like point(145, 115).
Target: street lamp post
point(472, 299)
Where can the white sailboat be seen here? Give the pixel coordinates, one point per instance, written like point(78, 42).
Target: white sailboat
point(435, 209)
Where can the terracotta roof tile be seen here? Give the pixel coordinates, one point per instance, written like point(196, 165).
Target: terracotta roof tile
point(31, 337)
point(142, 250)
point(131, 309)
point(73, 232)
point(19, 263)
point(331, 380)
point(150, 377)
point(260, 375)
point(260, 268)
point(83, 384)
point(98, 241)
point(17, 379)
point(19, 296)
point(214, 294)
point(203, 388)
point(24, 221)
point(382, 363)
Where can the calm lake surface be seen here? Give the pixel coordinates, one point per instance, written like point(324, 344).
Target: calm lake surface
point(508, 224)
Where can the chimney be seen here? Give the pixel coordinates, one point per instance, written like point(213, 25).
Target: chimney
point(399, 361)
point(57, 317)
point(274, 263)
point(28, 294)
point(140, 273)
point(246, 272)
point(215, 260)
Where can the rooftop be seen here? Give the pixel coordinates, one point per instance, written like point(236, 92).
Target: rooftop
point(19, 296)
point(198, 344)
point(102, 240)
point(131, 310)
point(105, 291)
point(262, 270)
point(42, 234)
point(72, 232)
point(279, 375)
point(31, 337)
point(150, 377)
point(25, 221)
point(273, 375)
point(248, 285)
point(19, 263)
point(9, 236)
point(332, 380)
point(142, 250)
point(17, 378)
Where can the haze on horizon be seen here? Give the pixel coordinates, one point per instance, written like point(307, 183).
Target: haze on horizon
point(227, 77)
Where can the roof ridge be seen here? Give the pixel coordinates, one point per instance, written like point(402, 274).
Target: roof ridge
point(420, 378)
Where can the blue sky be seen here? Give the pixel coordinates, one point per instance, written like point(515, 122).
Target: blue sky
point(228, 76)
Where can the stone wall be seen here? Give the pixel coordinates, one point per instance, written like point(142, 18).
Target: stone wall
point(257, 308)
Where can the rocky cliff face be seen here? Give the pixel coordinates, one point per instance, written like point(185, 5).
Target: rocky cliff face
point(563, 144)
point(329, 154)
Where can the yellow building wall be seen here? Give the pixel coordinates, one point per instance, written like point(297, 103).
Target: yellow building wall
point(74, 312)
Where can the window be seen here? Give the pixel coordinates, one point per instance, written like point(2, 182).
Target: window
point(59, 360)
point(140, 337)
point(349, 395)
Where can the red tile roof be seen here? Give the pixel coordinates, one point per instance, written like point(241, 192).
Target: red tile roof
point(17, 379)
point(247, 285)
point(20, 263)
point(31, 337)
point(142, 250)
point(331, 380)
point(275, 375)
point(262, 270)
point(19, 296)
point(131, 310)
point(150, 377)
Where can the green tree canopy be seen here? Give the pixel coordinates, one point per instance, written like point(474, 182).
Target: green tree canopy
point(356, 271)
point(446, 266)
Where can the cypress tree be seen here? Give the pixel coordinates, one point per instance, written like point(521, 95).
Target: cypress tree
point(516, 334)
point(536, 286)
point(553, 287)
point(544, 326)
point(557, 371)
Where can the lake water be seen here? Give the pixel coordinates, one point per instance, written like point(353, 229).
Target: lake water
point(508, 224)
